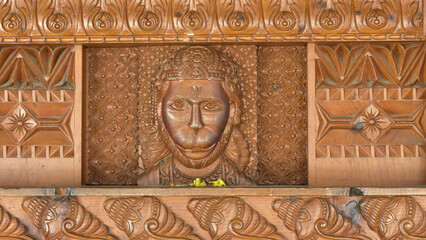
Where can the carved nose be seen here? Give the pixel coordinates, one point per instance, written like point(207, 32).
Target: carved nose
point(196, 121)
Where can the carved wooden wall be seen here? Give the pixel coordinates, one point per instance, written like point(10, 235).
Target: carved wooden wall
point(122, 21)
point(210, 214)
point(38, 118)
point(354, 101)
point(370, 113)
point(122, 110)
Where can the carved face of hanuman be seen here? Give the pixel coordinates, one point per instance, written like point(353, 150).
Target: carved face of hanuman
point(198, 109)
point(195, 114)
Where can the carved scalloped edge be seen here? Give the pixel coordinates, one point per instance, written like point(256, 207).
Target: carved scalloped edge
point(315, 218)
point(11, 227)
point(231, 218)
point(147, 218)
point(76, 221)
point(398, 217)
point(212, 38)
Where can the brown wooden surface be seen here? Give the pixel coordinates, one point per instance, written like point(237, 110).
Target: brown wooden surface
point(89, 21)
point(193, 213)
point(40, 137)
point(365, 89)
point(369, 110)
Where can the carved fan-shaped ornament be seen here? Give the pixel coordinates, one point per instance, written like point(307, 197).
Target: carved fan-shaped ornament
point(315, 218)
point(231, 218)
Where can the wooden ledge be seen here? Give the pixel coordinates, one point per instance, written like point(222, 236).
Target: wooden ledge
point(210, 191)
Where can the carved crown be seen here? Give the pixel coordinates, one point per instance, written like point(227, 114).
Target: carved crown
point(197, 63)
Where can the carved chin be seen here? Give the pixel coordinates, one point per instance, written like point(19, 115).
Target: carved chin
point(197, 153)
point(197, 158)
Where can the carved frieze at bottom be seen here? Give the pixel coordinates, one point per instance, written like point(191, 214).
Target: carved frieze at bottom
point(213, 213)
point(147, 218)
point(231, 218)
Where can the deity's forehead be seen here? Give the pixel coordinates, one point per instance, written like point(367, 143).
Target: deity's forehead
point(197, 63)
point(196, 90)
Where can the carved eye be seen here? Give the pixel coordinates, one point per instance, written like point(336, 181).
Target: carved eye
point(179, 105)
point(212, 106)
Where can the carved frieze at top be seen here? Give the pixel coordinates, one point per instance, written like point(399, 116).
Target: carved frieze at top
point(124, 21)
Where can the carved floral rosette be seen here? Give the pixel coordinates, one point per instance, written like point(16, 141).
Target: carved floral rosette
point(64, 217)
point(231, 218)
point(147, 218)
point(398, 217)
point(315, 218)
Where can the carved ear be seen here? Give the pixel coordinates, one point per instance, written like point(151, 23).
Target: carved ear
point(237, 150)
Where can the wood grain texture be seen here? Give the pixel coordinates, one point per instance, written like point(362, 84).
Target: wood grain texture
point(210, 213)
point(119, 21)
point(38, 118)
point(369, 106)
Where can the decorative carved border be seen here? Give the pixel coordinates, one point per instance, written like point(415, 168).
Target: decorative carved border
point(154, 21)
point(291, 213)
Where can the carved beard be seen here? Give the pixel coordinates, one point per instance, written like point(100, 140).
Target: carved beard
point(203, 162)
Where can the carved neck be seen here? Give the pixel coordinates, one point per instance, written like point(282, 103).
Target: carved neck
point(197, 172)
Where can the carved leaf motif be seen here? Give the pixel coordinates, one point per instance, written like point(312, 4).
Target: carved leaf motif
point(315, 218)
point(37, 68)
point(231, 218)
point(376, 16)
point(330, 16)
point(103, 16)
point(11, 228)
point(147, 16)
point(370, 65)
point(64, 217)
point(147, 218)
point(237, 16)
point(15, 17)
point(193, 16)
point(412, 14)
point(399, 217)
point(284, 16)
point(57, 16)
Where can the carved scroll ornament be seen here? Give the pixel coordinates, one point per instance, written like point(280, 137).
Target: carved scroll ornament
point(11, 228)
point(231, 218)
point(316, 218)
point(64, 217)
point(147, 218)
point(398, 217)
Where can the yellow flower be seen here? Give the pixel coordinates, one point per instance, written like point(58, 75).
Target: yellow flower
point(218, 183)
point(197, 183)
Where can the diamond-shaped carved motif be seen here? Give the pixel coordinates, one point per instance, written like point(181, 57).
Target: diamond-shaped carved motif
point(372, 123)
point(282, 115)
point(19, 123)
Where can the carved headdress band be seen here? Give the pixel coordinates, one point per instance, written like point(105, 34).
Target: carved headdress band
point(196, 63)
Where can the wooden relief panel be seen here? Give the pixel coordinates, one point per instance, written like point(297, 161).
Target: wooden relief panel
point(37, 101)
point(113, 115)
point(282, 127)
point(370, 110)
point(112, 21)
point(124, 126)
point(301, 213)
